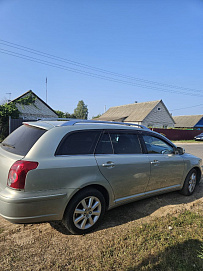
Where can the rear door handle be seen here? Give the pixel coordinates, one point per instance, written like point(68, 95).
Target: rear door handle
point(108, 164)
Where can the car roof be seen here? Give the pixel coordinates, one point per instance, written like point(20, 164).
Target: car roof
point(51, 123)
point(48, 124)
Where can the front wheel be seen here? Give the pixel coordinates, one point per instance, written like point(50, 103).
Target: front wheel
point(190, 183)
point(85, 211)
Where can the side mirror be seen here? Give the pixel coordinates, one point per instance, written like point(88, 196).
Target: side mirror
point(180, 150)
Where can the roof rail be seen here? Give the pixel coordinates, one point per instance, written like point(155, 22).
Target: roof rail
point(75, 121)
point(71, 122)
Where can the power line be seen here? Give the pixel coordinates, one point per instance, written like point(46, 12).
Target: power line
point(48, 63)
point(187, 107)
point(33, 51)
point(55, 65)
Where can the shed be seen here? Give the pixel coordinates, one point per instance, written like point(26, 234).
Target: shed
point(191, 121)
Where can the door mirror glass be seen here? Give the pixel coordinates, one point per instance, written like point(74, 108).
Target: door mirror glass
point(180, 150)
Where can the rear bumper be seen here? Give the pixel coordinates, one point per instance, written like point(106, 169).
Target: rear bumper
point(22, 207)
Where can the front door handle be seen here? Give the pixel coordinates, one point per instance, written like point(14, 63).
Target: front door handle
point(155, 162)
point(108, 164)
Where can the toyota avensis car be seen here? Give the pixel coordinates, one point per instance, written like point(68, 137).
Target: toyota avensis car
point(75, 170)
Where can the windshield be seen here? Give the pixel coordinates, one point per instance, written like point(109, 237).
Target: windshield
point(22, 139)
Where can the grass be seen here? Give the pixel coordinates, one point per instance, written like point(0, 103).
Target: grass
point(168, 243)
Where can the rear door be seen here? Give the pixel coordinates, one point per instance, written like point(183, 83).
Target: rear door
point(121, 161)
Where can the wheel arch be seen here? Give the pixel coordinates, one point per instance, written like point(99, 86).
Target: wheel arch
point(98, 187)
point(198, 173)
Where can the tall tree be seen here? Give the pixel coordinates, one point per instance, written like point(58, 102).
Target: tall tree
point(81, 111)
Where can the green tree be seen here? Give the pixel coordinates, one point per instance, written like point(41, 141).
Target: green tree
point(10, 110)
point(96, 117)
point(62, 114)
point(81, 111)
point(7, 110)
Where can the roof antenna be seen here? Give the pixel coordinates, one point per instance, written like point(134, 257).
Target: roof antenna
point(46, 89)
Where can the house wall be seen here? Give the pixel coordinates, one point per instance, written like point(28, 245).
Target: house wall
point(159, 118)
point(35, 111)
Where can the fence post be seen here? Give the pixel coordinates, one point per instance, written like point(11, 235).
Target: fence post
point(9, 125)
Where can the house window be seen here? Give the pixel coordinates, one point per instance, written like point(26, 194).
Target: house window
point(158, 108)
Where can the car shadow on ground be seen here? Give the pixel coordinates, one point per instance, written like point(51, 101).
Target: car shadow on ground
point(139, 209)
point(177, 257)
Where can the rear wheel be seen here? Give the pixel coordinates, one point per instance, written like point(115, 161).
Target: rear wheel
point(190, 183)
point(85, 211)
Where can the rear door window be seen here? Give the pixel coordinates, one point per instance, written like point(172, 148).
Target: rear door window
point(119, 143)
point(22, 139)
point(125, 143)
point(80, 142)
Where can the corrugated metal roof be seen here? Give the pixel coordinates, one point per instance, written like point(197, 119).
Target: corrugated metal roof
point(131, 112)
point(187, 121)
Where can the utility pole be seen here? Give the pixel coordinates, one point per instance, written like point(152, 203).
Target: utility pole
point(9, 97)
point(46, 89)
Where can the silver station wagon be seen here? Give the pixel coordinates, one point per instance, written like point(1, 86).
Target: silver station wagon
point(75, 170)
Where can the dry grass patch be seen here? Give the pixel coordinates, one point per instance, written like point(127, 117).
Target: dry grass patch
point(166, 243)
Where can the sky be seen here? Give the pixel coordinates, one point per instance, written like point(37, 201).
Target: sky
point(106, 53)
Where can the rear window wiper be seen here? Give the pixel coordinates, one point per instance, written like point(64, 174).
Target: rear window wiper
point(8, 145)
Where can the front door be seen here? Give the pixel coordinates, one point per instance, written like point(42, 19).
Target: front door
point(166, 166)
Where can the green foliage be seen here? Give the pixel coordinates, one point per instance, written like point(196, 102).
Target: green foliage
point(201, 253)
point(81, 111)
point(7, 110)
point(96, 117)
point(10, 109)
point(61, 114)
point(29, 99)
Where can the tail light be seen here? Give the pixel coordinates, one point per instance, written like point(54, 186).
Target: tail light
point(18, 172)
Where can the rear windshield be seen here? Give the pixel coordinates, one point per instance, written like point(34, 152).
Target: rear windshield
point(22, 139)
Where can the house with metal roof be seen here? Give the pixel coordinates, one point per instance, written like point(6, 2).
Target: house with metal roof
point(150, 114)
point(39, 109)
point(191, 122)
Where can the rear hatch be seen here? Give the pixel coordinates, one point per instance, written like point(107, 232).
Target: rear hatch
point(15, 147)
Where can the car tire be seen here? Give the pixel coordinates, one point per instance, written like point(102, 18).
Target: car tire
point(85, 211)
point(190, 183)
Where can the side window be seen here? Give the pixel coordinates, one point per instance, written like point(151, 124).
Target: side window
point(124, 143)
point(81, 142)
point(156, 145)
point(104, 146)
